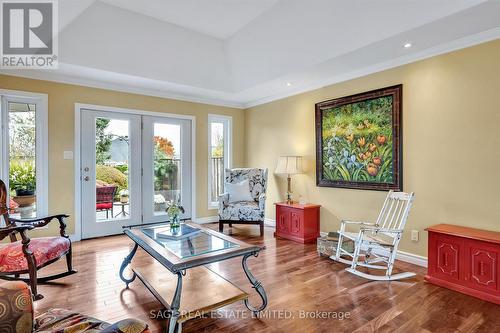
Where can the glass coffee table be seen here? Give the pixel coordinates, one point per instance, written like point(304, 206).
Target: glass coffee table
point(196, 290)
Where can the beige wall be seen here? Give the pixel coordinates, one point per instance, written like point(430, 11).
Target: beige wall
point(451, 143)
point(62, 99)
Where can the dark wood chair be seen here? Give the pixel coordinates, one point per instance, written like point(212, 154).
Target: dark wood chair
point(27, 256)
point(105, 196)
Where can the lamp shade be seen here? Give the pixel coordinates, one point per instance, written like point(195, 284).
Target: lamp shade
point(289, 165)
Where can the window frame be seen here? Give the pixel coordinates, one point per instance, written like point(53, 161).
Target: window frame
point(41, 142)
point(227, 122)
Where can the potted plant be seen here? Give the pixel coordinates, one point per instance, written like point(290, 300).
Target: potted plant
point(160, 202)
point(22, 180)
point(124, 196)
point(174, 212)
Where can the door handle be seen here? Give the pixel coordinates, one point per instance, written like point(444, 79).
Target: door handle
point(86, 178)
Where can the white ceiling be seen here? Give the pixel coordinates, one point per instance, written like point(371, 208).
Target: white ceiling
point(216, 18)
point(244, 52)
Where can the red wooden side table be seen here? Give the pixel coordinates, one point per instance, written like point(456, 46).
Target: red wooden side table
point(466, 260)
point(297, 222)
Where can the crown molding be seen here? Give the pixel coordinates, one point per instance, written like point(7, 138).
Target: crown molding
point(458, 44)
point(94, 78)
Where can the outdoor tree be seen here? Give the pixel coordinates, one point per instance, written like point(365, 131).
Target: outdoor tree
point(164, 165)
point(164, 145)
point(218, 149)
point(22, 136)
point(102, 141)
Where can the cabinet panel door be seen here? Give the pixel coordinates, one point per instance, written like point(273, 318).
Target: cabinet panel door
point(283, 224)
point(296, 223)
point(483, 266)
point(448, 253)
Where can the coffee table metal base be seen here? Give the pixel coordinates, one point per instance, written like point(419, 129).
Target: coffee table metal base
point(192, 293)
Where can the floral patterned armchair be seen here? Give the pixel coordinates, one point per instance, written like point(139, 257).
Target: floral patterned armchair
point(17, 316)
point(244, 212)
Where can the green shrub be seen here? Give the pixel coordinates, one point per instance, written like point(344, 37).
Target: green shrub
point(122, 168)
point(22, 175)
point(111, 176)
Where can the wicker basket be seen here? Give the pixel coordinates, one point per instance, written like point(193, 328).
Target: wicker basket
point(327, 245)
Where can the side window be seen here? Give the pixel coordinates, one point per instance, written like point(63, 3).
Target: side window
point(219, 156)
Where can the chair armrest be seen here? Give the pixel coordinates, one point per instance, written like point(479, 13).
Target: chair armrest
point(378, 230)
point(39, 222)
point(7, 231)
point(16, 300)
point(357, 222)
point(262, 201)
point(127, 326)
point(223, 199)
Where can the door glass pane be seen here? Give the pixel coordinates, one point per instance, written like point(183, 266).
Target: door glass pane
point(166, 165)
point(22, 158)
point(217, 159)
point(112, 154)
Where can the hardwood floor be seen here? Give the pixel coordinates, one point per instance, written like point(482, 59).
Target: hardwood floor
point(296, 280)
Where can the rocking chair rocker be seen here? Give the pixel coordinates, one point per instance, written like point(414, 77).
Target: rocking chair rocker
point(27, 256)
point(377, 243)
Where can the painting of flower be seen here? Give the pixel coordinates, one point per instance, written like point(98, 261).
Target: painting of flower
point(358, 141)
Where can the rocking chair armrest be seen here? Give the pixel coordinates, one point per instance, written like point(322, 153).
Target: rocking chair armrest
point(39, 222)
point(382, 230)
point(4, 232)
point(357, 222)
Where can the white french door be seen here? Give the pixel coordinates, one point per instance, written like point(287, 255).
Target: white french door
point(132, 166)
point(166, 158)
point(109, 165)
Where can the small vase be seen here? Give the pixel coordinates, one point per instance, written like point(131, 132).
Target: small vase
point(175, 221)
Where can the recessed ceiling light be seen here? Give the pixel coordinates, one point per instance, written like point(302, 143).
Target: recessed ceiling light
point(288, 84)
point(407, 45)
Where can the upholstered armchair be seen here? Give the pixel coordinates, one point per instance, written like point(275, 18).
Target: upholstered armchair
point(249, 211)
point(17, 316)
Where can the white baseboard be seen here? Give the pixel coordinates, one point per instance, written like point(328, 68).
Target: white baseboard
point(74, 237)
point(412, 258)
point(404, 256)
point(208, 219)
point(270, 222)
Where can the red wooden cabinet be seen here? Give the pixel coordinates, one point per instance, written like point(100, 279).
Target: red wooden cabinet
point(296, 222)
point(466, 260)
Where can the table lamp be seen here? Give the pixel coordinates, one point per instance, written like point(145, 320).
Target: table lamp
point(289, 165)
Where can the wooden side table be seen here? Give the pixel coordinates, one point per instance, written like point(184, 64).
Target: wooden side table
point(297, 222)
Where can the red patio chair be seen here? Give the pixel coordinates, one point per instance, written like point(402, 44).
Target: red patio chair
point(104, 198)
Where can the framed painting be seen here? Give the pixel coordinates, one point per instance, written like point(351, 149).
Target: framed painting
point(358, 141)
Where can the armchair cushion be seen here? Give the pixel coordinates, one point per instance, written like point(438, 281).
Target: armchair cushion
point(242, 211)
point(257, 179)
point(239, 191)
point(16, 308)
point(45, 249)
point(65, 321)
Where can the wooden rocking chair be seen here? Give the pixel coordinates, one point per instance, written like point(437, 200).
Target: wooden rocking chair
point(377, 243)
point(27, 256)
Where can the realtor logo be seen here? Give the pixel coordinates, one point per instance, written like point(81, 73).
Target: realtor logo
point(28, 34)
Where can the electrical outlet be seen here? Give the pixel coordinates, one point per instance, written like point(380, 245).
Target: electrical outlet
point(414, 235)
